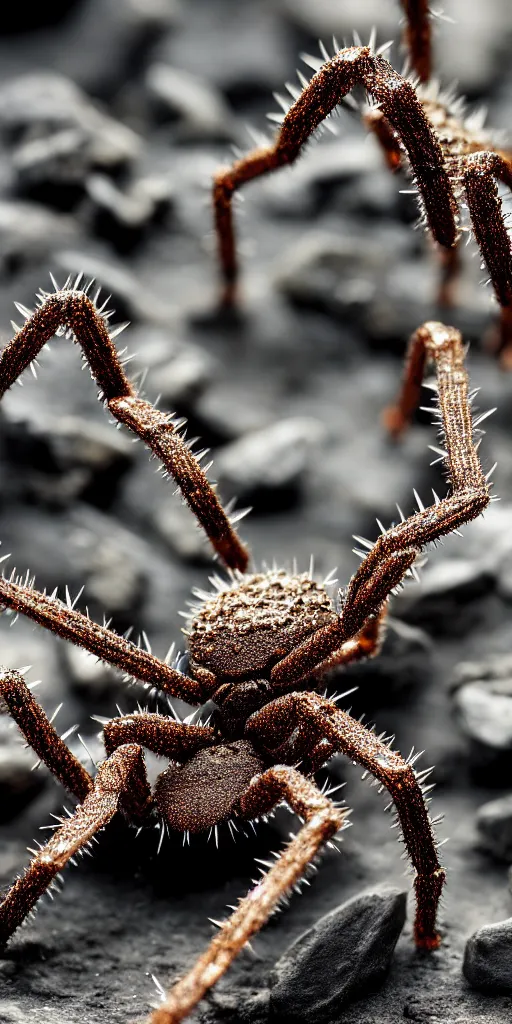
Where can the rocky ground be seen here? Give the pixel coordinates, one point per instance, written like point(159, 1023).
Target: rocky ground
point(112, 120)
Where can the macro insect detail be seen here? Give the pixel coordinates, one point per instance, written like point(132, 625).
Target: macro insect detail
point(259, 647)
point(419, 127)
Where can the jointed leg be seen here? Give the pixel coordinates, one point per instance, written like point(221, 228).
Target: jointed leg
point(417, 37)
point(158, 733)
point(122, 773)
point(75, 310)
point(403, 115)
point(319, 719)
point(394, 552)
point(41, 735)
point(481, 171)
point(322, 820)
point(63, 620)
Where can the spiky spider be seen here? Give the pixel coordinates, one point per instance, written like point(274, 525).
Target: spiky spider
point(259, 647)
point(448, 157)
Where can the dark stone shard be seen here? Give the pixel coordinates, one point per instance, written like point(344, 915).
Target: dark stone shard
point(343, 957)
point(402, 664)
point(448, 586)
point(494, 824)
point(488, 958)
point(60, 460)
point(124, 217)
point(266, 467)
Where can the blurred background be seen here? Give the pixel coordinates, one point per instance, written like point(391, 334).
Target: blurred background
point(114, 115)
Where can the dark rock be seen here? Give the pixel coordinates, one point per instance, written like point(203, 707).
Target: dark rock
point(67, 458)
point(494, 823)
point(130, 299)
point(59, 136)
point(124, 217)
point(16, 19)
point(19, 784)
point(488, 958)
point(343, 957)
point(447, 586)
point(267, 466)
point(28, 232)
point(402, 663)
point(197, 108)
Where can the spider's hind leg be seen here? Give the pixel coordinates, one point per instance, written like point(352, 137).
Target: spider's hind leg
point(123, 773)
point(321, 821)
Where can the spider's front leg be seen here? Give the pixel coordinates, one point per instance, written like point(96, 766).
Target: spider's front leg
point(321, 821)
point(319, 720)
point(122, 774)
point(403, 116)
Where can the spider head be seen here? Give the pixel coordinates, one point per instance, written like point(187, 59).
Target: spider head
point(238, 633)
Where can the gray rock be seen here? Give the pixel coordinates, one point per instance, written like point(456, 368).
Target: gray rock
point(19, 784)
point(28, 231)
point(198, 108)
point(269, 461)
point(124, 216)
point(488, 958)
point(177, 527)
point(130, 299)
point(183, 377)
point(447, 586)
point(344, 956)
point(67, 458)
point(494, 823)
point(61, 133)
point(484, 713)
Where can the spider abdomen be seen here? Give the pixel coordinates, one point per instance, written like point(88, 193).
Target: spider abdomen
point(200, 793)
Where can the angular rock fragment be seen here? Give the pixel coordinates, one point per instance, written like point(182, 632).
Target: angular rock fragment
point(265, 467)
point(488, 958)
point(343, 957)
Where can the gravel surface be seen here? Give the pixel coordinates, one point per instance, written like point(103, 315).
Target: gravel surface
point(113, 116)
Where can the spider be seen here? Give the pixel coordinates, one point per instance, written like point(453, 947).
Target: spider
point(448, 157)
point(258, 645)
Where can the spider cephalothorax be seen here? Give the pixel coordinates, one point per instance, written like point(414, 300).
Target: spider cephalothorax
point(258, 648)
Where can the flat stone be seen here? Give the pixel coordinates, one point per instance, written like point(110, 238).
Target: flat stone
point(488, 958)
point(343, 957)
point(484, 713)
point(198, 109)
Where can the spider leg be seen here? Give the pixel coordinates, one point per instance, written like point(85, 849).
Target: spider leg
point(319, 719)
point(394, 552)
point(366, 644)
point(480, 173)
point(403, 113)
point(417, 37)
point(63, 620)
point(122, 774)
point(75, 310)
point(163, 736)
point(41, 735)
point(321, 821)
point(386, 137)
